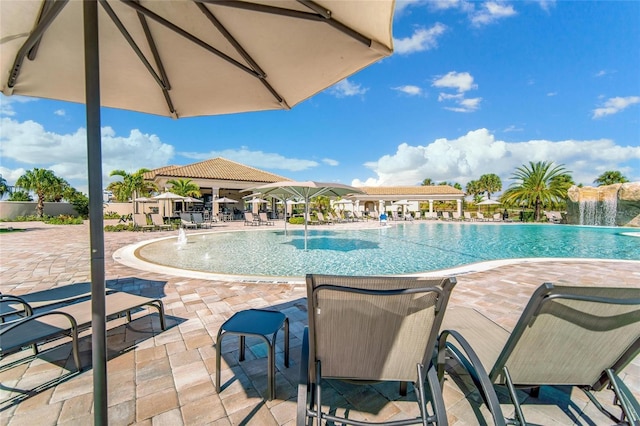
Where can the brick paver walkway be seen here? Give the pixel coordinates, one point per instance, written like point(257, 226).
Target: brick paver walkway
point(158, 377)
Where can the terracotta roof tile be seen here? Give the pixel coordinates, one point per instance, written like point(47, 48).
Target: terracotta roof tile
point(217, 168)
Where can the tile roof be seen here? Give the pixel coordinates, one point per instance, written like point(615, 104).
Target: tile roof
point(412, 190)
point(216, 168)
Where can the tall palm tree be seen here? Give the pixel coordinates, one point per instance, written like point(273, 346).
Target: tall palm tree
point(41, 181)
point(474, 189)
point(610, 177)
point(536, 185)
point(490, 183)
point(4, 188)
point(130, 183)
point(184, 187)
point(427, 182)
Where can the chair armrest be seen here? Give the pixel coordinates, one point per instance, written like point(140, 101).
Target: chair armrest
point(8, 299)
point(628, 403)
point(471, 362)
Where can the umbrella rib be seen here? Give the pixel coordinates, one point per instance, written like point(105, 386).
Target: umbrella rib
point(326, 15)
point(170, 25)
point(260, 72)
point(162, 83)
point(46, 6)
point(47, 18)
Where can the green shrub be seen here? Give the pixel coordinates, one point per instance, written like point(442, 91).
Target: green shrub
point(30, 218)
point(119, 227)
point(64, 220)
point(296, 220)
point(111, 215)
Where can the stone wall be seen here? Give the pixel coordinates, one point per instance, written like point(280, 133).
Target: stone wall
point(9, 210)
point(608, 205)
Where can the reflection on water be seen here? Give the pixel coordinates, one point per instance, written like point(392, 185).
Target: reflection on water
point(400, 249)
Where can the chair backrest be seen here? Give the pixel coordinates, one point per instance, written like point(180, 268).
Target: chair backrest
point(263, 217)
point(248, 216)
point(571, 336)
point(374, 328)
point(445, 215)
point(156, 219)
point(497, 216)
point(456, 215)
point(479, 215)
point(197, 217)
point(140, 219)
point(467, 215)
point(185, 217)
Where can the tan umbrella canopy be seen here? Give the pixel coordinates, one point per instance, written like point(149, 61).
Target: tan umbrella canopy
point(179, 59)
point(306, 190)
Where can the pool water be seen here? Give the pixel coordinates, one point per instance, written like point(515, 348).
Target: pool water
point(400, 249)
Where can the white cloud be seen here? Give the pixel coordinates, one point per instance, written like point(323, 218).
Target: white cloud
point(451, 4)
point(7, 102)
point(409, 90)
point(513, 128)
point(491, 12)
point(330, 162)
point(479, 152)
point(60, 112)
point(466, 105)
point(258, 159)
point(346, 88)
point(546, 5)
point(28, 145)
point(422, 39)
point(461, 81)
point(552, 94)
point(615, 105)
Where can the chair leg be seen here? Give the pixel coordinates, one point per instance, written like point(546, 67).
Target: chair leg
point(303, 381)
point(514, 396)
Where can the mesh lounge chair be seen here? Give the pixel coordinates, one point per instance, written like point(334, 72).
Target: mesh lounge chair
point(186, 221)
point(140, 222)
point(264, 219)
point(445, 216)
point(158, 223)
point(249, 219)
point(372, 329)
point(322, 219)
point(571, 336)
point(198, 219)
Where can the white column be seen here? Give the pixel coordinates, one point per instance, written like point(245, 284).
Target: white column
point(430, 206)
point(459, 202)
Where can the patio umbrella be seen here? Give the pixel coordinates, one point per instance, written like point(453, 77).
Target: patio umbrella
point(489, 202)
point(179, 59)
point(305, 191)
point(168, 196)
point(144, 200)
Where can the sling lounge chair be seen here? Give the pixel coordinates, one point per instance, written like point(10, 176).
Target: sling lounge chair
point(158, 223)
point(140, 222)
point(364, 329)
point(186, 221)
point(249, 219)
point(198, 219)
point(264, 219)
point(571, 336)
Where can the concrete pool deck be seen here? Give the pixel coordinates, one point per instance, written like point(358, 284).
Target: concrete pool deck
point(168, 377)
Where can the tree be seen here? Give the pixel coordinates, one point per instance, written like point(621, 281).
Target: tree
point(610, 177)
point(130, 183)
point(490, 183)
point(184, 187)
point(427, 182)
point(4, 188)
point(538, 184)
point(20, 195)
point(473, 188)
point(41, 181)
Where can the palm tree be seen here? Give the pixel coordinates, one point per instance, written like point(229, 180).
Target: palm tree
point(610, 177)
point(130, 183)
point(427, 182)
point(184, 187)
point(4, 188)
point(536, 185)
point(490, 183)
point(41, 181)
point(20, 195)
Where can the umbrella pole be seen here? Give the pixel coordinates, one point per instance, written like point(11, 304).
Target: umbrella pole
point(96, 231)
point(306, 216)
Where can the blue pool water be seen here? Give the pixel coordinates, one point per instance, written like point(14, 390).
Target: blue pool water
point(401, 249)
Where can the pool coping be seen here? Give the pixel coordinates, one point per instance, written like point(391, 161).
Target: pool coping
point(127, 256)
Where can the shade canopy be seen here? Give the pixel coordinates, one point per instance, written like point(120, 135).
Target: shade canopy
point(178, 59)
point(168, 196)
point(192, 200)
point(489, 202)
point(224, 200)
point(287, 190)
point(191, 58)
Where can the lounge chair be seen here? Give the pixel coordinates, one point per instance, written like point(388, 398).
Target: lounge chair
point(480, 217)
point(198, 219)
point(140, 222)
point(467, 216)
point(32, 330)
point(445, 216)
point(371, 329)
point(249, 219)
point(186, 221)
point(264, 220)
point(311, 220)
point(322, 220)
point(456, 216)
point(333, 218)
point(158, 223)
point(568, 336)
point(497, 217)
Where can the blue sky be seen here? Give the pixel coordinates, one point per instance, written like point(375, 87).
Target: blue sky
point(472, 88)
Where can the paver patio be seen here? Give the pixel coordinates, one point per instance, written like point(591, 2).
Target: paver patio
point(157, 377)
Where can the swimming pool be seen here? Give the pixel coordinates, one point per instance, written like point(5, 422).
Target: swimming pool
point(400, 249)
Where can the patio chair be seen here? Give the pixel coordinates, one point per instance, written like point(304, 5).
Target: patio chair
point(467, 216)
point(158, 223)
point(264, 219)
point(364, 329)
point(569, 336)
point(198, 219)
point(497, 217)
point(249, 219)
point(322, 219)
point(456, 216)
point(186, 221)
point(445, 216)
point(31, 330)
point(480, 217)
point(140, 222)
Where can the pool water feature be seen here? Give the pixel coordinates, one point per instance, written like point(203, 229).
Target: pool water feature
point(400, 249)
